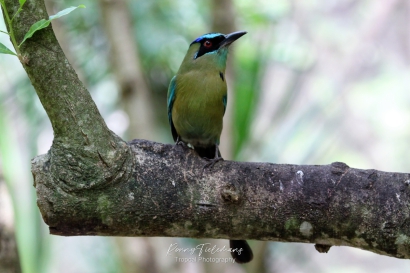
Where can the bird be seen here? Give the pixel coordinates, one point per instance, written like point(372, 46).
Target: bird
point(196, 101)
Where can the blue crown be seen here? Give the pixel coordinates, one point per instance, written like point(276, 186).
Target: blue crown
point(207, 36)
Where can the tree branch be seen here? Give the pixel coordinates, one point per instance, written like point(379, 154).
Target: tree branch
point(167, 196)
point(79, 130)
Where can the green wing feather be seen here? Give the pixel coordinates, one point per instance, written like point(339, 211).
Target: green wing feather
point(225, 101)
point(170, 104)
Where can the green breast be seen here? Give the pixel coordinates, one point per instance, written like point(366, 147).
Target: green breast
point(198, 108)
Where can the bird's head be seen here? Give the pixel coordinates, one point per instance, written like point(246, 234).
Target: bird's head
point(210, 50)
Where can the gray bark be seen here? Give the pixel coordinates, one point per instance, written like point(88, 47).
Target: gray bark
point(167, 194)
point(78, 126)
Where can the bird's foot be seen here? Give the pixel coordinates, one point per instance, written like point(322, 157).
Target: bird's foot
point(180, 142)
point(211, 162)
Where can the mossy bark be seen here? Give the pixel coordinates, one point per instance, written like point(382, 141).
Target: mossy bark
point(91, 182)
point(79, 130)
point(167, 194)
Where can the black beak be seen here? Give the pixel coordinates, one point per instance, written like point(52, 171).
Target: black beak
point(231, 37)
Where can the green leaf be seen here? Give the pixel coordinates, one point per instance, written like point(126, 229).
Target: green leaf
point(64, 12)
point(43, 23)
point(22, 3)
point(5, 50)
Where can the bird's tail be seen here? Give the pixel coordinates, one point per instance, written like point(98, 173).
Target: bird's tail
point(245, 254)
point(208, 152)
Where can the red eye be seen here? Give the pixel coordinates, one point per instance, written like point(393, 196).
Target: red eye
point(207, 44)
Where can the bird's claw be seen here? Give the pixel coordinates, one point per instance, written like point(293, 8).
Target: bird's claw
point(211, 162)
point(181, 143)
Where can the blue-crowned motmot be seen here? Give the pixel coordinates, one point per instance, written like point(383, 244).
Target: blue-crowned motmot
point(197, 98)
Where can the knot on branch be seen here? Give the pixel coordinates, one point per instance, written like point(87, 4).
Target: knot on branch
point(339, 168)
point(230, 193)
point(77, 167)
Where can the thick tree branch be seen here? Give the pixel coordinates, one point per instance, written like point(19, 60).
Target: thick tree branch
point(167, 195)
point(79, 129)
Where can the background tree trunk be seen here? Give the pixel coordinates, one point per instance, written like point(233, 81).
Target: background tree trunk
point(9, 258)
point(125, 62)
point(223, 21)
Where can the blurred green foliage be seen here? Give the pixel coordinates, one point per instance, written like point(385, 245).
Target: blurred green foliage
point(315, 82)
